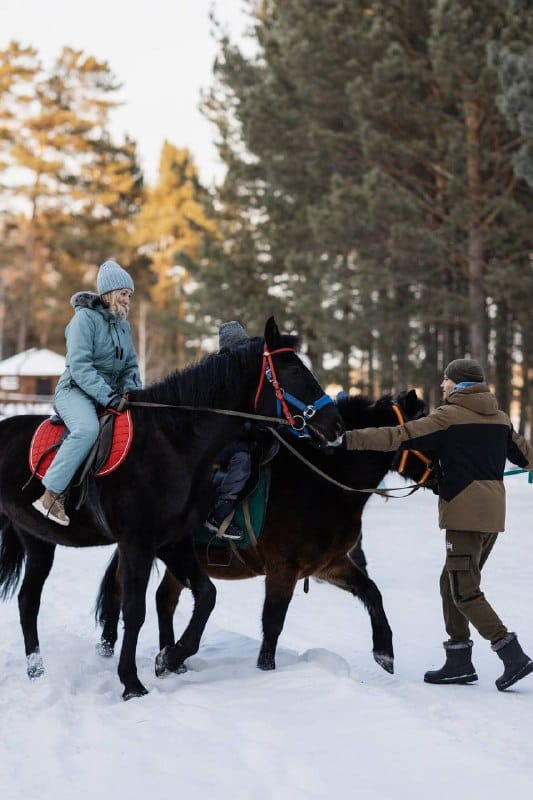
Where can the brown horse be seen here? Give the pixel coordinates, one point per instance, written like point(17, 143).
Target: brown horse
point(309, 527)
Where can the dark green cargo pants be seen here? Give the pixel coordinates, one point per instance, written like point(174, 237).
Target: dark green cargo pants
point(463, 602)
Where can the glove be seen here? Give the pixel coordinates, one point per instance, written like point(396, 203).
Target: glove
point(117, 402)
point(339, 445)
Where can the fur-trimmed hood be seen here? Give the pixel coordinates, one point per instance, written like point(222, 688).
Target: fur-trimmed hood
point(86, 300)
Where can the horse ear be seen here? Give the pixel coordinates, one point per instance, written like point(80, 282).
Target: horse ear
point(411, 403)
point(272, 334)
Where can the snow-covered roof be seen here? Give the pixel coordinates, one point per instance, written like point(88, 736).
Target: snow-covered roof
point(33, 362)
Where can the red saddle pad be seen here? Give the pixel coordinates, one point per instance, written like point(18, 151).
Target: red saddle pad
point(47, 435)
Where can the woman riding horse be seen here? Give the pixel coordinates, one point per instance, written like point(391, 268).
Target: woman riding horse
point(101, 366)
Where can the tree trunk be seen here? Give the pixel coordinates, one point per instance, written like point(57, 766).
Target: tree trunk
point(385, 346)
point(180, 331)
point(2, 314)
point(503, 363)
point(143, 313)
point(25, 298)
point(476, 293)
point(524, 426)
point(430, 342)
point(402, 340)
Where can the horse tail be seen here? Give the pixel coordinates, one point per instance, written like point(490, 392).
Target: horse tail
point(12, 556)
point(106, 597)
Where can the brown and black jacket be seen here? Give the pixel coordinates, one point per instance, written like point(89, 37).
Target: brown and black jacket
point(470, 439)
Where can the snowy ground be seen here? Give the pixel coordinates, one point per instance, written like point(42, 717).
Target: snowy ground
point(327, 723)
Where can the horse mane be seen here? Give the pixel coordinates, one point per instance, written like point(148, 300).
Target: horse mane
point(211, 380)
point(359, 411)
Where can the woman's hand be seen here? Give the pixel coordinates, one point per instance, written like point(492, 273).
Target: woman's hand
point(117, 402)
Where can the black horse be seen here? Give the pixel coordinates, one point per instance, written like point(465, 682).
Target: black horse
point(160, 494)
point(309, 528)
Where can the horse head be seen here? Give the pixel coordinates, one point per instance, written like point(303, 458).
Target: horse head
point(412, 464)
point(288, 389)
point(360, 412)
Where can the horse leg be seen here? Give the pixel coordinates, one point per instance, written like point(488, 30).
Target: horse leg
point(279, 589)
point(181, 560)
point(39, 560)
point(357, 554)
point(346, 575)
point(166, 600)
point(108, 607)
point(136, 564)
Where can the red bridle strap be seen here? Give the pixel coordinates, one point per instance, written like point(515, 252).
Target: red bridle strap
point(268, 365)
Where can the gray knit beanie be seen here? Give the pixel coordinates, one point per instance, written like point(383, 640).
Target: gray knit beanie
point(111, 277)
point(231, 334)
point(464, 369)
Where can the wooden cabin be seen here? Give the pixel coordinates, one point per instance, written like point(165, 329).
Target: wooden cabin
point(30, 376)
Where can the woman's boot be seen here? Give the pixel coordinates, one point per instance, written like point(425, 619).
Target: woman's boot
point(52, 506)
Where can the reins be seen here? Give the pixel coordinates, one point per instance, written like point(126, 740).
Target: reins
point(224, 411)
point(285, 417)
point(267, 372)
point(296, 422)
point(289, 421)
point(278, 421)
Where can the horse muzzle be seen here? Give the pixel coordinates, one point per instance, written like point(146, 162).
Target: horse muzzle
point(331, 438)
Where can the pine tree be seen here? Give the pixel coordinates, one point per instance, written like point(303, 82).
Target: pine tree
point(18, 69)
point(171, 231)
point(365, 145)
point(513, 275)
point(277, 174)
point(78, 188)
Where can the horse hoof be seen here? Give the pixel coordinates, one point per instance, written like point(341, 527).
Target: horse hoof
point(266, 663)
point(136, 691)
point(105, 649)
point(164, 665)
point(35, 666)
point(385, 661)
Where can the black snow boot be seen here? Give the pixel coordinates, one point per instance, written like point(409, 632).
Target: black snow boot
point(223, 509)
point(458, 667)
point(517, 664)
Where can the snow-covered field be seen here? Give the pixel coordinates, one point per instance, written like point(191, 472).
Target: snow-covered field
point(328, 723)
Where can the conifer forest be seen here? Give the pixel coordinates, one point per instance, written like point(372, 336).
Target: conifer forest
point(377, 195)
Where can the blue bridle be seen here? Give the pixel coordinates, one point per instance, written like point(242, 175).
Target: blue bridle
point(308, 412)
point(297, 422)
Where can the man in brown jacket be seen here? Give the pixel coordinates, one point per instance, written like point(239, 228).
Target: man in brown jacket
point(470, 439)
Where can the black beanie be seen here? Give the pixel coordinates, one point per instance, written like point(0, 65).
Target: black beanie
point(464, 369)
point(231, 334)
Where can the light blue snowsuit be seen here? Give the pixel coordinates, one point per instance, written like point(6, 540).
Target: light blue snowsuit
point(101, 361)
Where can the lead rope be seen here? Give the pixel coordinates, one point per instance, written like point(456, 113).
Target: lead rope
point(382, 492)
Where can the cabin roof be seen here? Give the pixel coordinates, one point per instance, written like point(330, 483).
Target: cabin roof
point(34, 362)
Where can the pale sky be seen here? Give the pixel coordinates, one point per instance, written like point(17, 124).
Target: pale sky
point(160, 50)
